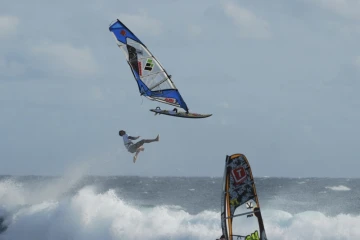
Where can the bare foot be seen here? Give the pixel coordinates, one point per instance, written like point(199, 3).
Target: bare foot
point(134, 159)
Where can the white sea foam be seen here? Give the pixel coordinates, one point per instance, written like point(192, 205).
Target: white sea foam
point(339, 188)
point(90, 215)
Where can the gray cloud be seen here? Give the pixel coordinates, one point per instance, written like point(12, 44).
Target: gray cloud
point(250, 25)
point(349, 9)
point(285, 94)
point(60, 58)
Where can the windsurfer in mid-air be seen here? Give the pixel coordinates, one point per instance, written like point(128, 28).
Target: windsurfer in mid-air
point(135, 147)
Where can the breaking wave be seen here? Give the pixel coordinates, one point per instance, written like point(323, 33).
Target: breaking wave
point(339, 188)
point(90, 215)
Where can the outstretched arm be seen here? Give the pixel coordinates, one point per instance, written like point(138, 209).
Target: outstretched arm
point(133, 138)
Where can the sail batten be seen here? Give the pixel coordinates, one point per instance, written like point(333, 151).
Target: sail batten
point(241, 214)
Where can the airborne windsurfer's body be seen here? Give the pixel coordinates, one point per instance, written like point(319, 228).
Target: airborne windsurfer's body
point(135, 147)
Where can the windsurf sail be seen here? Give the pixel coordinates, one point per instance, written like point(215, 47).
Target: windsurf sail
point(240, 209)
point(152, 79)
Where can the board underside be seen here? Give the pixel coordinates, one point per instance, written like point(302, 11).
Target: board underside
point(180, 114)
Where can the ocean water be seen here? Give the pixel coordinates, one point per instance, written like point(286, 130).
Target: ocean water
point(89, 208)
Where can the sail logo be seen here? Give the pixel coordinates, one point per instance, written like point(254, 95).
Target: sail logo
point(239, 175)
point(170, 100)
point(149, 65)
point(253, 236)
point(234, 202)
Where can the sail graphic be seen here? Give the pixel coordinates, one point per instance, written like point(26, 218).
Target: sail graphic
point(239, 201)
point(152, 79)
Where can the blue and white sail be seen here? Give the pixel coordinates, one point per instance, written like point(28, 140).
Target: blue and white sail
point(152, 79)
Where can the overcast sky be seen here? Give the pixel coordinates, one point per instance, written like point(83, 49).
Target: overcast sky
point(280, 77)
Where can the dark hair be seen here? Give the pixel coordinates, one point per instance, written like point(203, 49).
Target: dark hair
point(121, 132)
